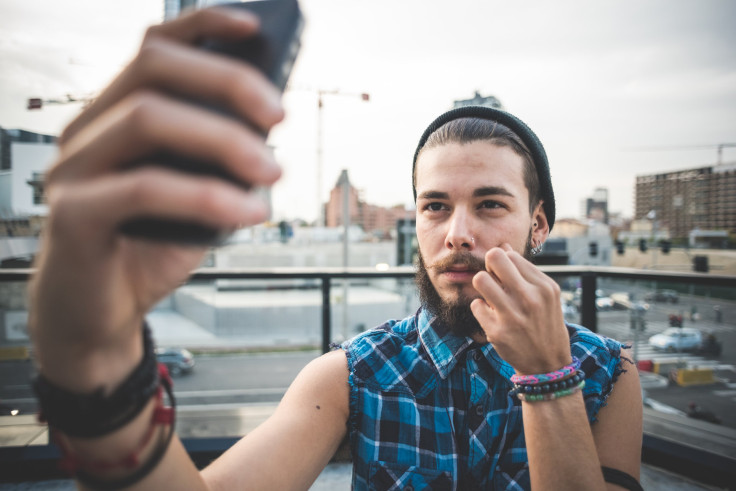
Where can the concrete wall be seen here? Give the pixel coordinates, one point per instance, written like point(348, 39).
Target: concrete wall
point(289, 317)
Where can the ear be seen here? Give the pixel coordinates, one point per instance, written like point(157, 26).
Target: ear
point(540, 225)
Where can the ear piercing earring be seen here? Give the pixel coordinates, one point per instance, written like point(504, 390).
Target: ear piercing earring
point(536, 249)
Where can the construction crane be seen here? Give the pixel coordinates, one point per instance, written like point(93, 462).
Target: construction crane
point(38, 103)
point(718, 146)
point(721, 146)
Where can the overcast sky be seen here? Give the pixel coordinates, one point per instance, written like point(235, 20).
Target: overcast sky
point(614, 89)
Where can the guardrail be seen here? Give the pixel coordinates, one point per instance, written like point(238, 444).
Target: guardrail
point(709, 467)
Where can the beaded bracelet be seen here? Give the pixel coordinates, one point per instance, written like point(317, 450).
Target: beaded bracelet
point(547, 377)
point(551, 386)
point(552, 395)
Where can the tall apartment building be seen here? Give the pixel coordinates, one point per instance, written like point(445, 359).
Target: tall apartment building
point(702, 198)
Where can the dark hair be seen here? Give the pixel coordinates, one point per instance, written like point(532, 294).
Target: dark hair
point(467, 130)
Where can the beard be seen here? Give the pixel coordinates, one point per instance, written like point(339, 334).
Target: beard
point(454, 314)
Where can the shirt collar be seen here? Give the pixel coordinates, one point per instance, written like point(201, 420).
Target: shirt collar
point(444, 347)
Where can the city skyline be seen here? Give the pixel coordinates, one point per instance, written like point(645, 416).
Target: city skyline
point(614, 90)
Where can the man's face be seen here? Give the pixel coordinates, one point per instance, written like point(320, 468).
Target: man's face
point(470, 198)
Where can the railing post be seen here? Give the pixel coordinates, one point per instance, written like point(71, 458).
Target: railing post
point(589, 316)
point(326, 320)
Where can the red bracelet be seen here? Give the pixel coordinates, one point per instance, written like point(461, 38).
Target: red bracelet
point(164, 416)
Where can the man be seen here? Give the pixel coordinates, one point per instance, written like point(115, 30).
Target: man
point(447, 420)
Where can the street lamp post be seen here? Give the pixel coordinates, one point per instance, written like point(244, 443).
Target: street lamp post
point(364, 96)
point(345, 190)
point(652, 215)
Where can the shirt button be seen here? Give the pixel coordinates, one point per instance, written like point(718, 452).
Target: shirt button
point(409, 487)
point(476, 355)
point(479, 411)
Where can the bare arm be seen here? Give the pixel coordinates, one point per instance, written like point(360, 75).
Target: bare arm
point(93, 286)
point(521, 315)
point(564, 450)
point(292, 447)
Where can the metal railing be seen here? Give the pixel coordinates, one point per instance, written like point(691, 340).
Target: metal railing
point(706, 466)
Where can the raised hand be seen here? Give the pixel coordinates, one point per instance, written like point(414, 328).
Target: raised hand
point(94, 285)
point(520, 313)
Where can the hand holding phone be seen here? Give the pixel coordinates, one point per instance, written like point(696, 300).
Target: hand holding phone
point(273, 51)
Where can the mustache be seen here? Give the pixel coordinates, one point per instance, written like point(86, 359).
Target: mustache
point(458, 258)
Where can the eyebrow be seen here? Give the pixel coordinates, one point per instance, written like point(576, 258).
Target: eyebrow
point(491, 191)
point(477, 193)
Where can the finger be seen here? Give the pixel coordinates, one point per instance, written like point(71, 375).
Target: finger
point(221, 22)
point(148, 123)
point(502, 269)
point(102, 204)
point(493, 292)
point(196, 75)
point(528, 271)
point(165, 62)
point(486, 317)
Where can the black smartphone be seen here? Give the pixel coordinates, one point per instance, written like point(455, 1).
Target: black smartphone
point(273, 51)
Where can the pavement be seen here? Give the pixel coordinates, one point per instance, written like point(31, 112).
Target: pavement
point(25, 430)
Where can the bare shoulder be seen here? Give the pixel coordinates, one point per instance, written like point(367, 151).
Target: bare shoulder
point(618, 431)
point(324, 379)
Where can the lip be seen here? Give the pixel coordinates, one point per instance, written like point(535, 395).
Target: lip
point(459, 275)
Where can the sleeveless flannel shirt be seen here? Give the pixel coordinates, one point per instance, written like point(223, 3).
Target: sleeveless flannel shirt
point(430, 410)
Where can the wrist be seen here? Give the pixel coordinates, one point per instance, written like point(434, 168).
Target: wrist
point(84, 365)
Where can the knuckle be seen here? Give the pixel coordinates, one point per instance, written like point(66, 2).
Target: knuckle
point(556, 289)
point(142, 107)
point(143, 186)
point(152, 32)
point(149, 54)
point(209, 198)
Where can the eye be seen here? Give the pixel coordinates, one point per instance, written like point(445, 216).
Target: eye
point(491, 205)
point(434, 206)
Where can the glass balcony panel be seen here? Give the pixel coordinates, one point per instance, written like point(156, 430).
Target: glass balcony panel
point(251, 335)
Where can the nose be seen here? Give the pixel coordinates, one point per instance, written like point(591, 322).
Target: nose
point(459, 235)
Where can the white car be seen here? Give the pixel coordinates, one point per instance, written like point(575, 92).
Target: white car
point(604, 303)
point(677, 339)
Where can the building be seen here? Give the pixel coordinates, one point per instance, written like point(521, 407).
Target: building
point(479, 100)
point(596, 207)
point(373, 219)
point(576, 242)
point(703, 198)
point(172, 8)
point(24, 157)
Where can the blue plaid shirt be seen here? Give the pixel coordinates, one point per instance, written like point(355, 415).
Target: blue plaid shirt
point(431, 410)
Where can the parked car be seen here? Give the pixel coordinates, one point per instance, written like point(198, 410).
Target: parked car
point(177, 360)
point(666, 296)
point(602, 301)
point(677, 339)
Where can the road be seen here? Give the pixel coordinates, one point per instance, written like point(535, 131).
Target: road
point(237, 379)
point(216, 379)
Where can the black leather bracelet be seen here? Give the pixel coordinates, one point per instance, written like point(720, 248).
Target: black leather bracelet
point(92, 415)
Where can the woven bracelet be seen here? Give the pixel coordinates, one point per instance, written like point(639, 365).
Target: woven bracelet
point(551, 395)
point(547, 377)
point(549, 387)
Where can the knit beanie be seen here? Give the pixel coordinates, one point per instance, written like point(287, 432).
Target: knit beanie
point(539, 156)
